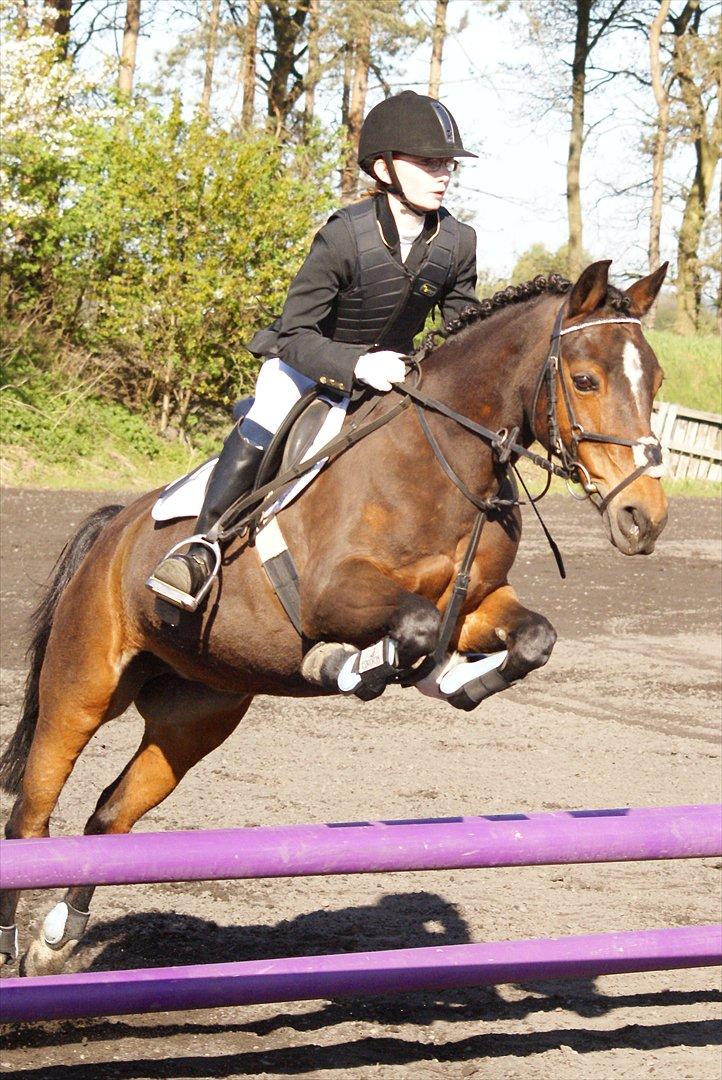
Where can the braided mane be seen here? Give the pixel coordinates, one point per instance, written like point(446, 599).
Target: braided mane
point(512, 294)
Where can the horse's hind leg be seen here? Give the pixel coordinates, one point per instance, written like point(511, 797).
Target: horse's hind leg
point(184, 723)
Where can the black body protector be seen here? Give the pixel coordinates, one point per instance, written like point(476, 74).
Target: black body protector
point(388, 304)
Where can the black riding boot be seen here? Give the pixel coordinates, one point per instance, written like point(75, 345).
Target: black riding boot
point(233, 475)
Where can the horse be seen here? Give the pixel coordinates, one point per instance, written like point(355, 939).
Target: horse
point(377, 539)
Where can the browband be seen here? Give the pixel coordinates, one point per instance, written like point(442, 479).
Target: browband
point(596, 322)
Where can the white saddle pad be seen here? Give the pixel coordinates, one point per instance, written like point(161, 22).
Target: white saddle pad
point(184, 497)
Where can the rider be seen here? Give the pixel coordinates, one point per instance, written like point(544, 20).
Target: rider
point(374, 272)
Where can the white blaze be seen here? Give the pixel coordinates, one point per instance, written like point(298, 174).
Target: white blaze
point(633, 370)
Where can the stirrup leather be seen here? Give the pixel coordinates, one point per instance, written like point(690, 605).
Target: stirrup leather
point(177, 596)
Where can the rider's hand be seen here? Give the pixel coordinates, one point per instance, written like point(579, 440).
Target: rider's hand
point(380, 369)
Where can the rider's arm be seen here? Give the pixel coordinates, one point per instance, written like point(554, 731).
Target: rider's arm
point(463, 291)
point(327, 271)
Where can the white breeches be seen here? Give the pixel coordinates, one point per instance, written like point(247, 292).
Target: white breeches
point(278, 388)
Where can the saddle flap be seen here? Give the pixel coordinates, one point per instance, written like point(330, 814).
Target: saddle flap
point(301, 436)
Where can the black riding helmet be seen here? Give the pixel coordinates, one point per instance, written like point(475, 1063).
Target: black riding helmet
point(408, 123)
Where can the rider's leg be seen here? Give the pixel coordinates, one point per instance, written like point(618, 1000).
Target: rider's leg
point(278, 388)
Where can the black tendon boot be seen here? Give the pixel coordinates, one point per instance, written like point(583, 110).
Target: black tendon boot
point(185, 575)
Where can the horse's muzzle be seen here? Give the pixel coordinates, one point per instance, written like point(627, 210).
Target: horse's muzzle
point(634, 525)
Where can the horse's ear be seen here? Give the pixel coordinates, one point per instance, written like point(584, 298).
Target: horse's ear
point(644, 292)
point(590, 290)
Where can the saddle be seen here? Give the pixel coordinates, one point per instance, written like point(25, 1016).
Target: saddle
point(312, 422)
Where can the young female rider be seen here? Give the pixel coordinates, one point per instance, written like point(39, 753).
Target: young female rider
point(374, 272)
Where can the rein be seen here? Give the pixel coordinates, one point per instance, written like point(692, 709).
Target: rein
point(244, 514)
point(503, 445)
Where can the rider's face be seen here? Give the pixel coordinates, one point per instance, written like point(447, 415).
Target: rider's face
point(424, 180)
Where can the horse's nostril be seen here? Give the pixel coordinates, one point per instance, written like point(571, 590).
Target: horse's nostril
point(633, 522)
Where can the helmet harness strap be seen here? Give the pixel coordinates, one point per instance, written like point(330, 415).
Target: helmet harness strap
point(395, 188)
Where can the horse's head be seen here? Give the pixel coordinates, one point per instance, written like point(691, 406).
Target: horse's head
point(606, 379)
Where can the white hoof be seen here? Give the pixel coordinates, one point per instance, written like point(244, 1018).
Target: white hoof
point(40, 959)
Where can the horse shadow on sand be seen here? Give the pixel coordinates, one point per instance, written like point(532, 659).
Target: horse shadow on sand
point(395, 921)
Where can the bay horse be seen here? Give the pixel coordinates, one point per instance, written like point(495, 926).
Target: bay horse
point(377, 540)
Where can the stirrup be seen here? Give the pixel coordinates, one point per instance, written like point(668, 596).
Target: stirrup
point(177, 596)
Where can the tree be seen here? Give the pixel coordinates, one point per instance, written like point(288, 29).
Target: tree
point(538, 259)
point(697, 73)
point(372, 36)
point(285, 83)
point(437, 47)
point(126, 69)
point(581, 24)
point(660, 88)
point(313, 71)
point(359, 59)
point(246, 14)
point(56, 20)
point(212, 13)
point(21, 18)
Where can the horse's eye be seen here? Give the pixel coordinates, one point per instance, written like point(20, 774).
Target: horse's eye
point(585, 383)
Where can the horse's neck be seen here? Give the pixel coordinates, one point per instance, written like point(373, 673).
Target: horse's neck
point(489, 373)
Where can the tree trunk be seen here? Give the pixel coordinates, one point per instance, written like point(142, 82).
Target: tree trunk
point(356, 108)
point(212, 16)
point(689, 277)
point(56, 20)
point(22, 18)
point(576, 137)
point(346, 85)
point(126, 71)
point(706, 140)
point(659, 149)
point(286, 29)
point(249, 63)
point(719, 280)
point(313, 69)
point(437, 47)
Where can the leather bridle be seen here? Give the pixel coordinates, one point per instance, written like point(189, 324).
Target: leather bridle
point(243, 514)
point(647, 447)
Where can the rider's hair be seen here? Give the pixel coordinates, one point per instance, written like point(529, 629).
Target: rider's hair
point(513, 294)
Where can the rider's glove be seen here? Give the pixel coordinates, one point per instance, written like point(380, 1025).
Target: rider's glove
point(380, 369)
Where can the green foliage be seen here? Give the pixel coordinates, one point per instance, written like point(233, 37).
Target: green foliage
point(69, 439)
point(692, 369)
point(153, 245)
point(539, 260)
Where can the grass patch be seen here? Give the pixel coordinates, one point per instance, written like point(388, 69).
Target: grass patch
point(692, 369)
point(61, 439)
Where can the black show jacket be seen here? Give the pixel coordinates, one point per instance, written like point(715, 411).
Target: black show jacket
point(304, 335)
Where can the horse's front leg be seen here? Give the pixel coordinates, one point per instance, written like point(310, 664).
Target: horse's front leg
point(499, 623)
point(502, 622)
point(356, 602)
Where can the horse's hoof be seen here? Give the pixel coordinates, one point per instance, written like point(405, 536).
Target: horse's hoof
point(40, 959)
point(8, 944)
point(323, 662)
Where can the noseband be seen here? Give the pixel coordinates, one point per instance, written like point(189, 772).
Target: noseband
point(647, 447)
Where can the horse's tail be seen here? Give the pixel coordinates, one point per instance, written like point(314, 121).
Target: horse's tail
point(15, 756)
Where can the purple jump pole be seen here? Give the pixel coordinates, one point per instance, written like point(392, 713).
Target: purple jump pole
point(573, 836)
point(306, 978)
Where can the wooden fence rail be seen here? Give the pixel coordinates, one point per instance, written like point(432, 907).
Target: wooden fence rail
point(692, 440)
